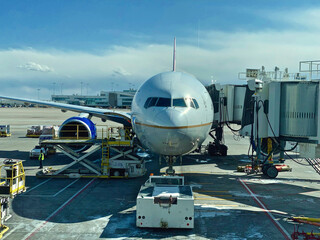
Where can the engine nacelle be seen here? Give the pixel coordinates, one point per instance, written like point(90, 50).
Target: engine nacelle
point(78, 128)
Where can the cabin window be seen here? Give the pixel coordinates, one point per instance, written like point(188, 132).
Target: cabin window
point(164, 102)
point(179, 102)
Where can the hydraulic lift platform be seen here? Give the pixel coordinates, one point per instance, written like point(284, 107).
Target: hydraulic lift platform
point(123, 164)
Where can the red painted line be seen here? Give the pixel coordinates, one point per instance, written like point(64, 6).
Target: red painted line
point(266, 211)
point(59, 209)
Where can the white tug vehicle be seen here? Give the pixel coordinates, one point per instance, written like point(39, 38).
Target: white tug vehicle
point(165, 202)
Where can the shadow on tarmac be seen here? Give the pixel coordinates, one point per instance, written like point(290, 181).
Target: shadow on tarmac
point(113, 200)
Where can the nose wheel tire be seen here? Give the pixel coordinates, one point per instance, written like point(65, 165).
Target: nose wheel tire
point(170, 171)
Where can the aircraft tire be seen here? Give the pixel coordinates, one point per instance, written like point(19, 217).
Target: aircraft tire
point(212, 149)
point(223, 150)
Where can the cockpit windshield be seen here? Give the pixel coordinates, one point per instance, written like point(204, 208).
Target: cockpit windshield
point(195, 103)
point(164, 102)
point(152, 102)
point(168, 102)
point(191, 102)
point(179, 102)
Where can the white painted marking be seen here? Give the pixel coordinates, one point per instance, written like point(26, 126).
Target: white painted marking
point(50, 196)
point(36, 229)
point(65, 188)
point(12, 231)
point(29, 190)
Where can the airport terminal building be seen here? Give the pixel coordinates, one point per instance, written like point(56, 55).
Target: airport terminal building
point(121, 99)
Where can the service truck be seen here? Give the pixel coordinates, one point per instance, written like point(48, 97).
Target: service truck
point(165, 202)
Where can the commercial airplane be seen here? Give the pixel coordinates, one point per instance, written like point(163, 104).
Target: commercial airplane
point(171, 115)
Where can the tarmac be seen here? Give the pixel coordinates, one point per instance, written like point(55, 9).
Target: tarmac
point(228, 204)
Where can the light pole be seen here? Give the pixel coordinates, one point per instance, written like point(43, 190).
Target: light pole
point(38, 92)
point(81, 88)
point(54, 88)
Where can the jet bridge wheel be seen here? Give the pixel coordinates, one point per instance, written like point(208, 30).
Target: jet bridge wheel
point(264, 169)
point(270, 171)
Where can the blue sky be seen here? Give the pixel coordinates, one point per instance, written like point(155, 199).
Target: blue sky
point(122, 43)
point(94, 25)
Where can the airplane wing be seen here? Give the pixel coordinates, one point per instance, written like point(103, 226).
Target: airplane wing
point(115, 116)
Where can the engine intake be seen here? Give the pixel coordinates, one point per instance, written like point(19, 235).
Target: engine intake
point(77, 128)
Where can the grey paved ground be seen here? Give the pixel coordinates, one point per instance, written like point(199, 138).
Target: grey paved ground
point(105, 209)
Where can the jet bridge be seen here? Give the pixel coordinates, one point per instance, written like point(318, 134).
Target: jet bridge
point(273, 108)
point(228, 103)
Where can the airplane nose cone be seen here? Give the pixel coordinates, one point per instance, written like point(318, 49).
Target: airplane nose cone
point(171, 117)
point(172, 136)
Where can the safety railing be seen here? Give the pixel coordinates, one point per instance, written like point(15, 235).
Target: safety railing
point(13, 181)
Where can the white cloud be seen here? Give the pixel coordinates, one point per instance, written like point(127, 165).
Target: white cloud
point(36, 67)
point(221, 55)
point(121, 72)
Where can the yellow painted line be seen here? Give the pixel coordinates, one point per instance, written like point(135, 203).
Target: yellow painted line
point(202, 183)
point(204, 193)
point(311, 191)
point(221, 205)
point(226, 205)
point(209, 191)
point(178, 172)
point(213, 199)
point(173, 127)
point(220, 195)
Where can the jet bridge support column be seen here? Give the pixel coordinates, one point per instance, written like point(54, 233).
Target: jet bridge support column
point(282, 146)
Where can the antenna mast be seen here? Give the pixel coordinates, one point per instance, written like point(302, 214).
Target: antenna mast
point(174, 55)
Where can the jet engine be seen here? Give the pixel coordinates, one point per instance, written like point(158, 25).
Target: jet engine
point(78, 128)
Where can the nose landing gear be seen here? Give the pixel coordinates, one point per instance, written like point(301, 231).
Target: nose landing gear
point(170, 160)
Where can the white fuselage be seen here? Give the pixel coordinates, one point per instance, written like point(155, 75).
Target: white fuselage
point(172, 113)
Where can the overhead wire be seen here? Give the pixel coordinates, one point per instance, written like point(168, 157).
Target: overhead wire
point(275, 138)
point(251, 146)
point(235, 132)
point(296, 161)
